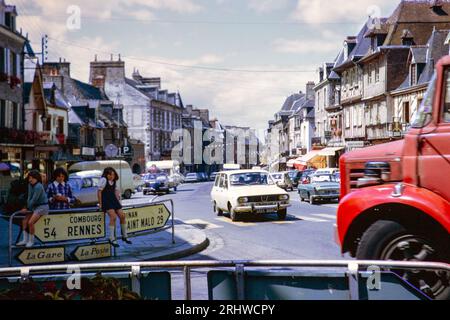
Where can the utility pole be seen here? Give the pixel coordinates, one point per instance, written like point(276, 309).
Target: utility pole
point(44, 49)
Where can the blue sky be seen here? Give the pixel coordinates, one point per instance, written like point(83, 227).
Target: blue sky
point(290, 37)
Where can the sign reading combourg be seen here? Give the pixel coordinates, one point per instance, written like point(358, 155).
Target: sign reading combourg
point(71, 226)
point(147, 218)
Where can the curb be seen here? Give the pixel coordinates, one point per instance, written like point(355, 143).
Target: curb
point(183, 253)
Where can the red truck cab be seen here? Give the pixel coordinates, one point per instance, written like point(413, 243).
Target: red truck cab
point(395, 196)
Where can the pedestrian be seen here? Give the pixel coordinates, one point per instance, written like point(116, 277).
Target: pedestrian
point(109, 201)
point(59, 192)
point(37, 206)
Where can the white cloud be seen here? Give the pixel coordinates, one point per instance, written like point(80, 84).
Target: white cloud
point(340, 11)
point(328, 42)
point(263, 6)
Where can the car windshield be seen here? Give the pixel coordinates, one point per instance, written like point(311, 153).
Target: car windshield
point(192, 175)
point(250, 178)
point(323, 178)
point(75, 184)
point(423, 114)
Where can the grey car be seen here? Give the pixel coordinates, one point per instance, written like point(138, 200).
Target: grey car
point(84, 187)
point(322, 187)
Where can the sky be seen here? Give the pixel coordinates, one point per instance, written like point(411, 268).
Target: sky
point(239, 58)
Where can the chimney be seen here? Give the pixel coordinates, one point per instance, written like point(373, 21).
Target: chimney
point(310, 94)
point(189, 109)
point(106, 71)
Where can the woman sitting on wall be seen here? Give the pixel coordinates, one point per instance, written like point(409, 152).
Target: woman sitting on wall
point(37, 204)
point(59, 192)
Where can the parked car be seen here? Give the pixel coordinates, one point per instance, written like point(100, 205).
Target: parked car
point(125, 183)
point(156, 183)
point(84, 186)
point(337, 176)
point(322, 187)
point(248, 191)
point(295, 176)
point(169, 167)
point(283, 180)
point(306, 176)
point(193, 177)
point(327, 170)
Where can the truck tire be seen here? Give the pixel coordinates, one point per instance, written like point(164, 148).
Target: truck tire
point(282, 214)
point(127, 194)
point(389, 240)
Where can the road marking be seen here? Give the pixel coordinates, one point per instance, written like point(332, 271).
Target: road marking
point(206, 224)
point(237, 223)
point(311, 219)
point(323, 215)
point(283, 222)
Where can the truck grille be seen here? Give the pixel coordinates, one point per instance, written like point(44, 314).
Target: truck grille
point(355, 174)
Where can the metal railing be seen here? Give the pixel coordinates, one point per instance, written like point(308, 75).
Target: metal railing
point(135, 269)
point(21, 215)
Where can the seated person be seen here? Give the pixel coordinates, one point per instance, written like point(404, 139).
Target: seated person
point(59, 192)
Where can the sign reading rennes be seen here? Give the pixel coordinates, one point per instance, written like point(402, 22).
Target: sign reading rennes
point(91, 225)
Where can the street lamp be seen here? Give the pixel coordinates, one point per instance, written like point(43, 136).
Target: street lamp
point(44, 119)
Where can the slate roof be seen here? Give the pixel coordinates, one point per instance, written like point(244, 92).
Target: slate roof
point(429, 54)
point(360, 50)
point(288, 104)
point(89, 92)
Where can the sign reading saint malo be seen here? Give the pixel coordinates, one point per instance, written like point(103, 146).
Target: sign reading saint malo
point(71, 226)
point(147, 218)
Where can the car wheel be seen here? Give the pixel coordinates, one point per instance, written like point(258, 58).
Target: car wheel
point(144, 193)
point(311, 200)
point(127, 195)
point(233, 214)
point(175, 189)
point(282, 214)
point(389, 240)
point(217, 210)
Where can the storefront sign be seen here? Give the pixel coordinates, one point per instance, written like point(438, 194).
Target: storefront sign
point(354, 144)
point(88, 151)
point(92, 252)
point(147, 218)
point(42, 256)
point(71, 226)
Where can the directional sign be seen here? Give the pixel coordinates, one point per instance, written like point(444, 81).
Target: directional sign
point(42, 255)
point(92, 252)
point(71, 226)
point(147, 218)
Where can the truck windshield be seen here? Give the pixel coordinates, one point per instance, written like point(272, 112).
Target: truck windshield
point(423, 115)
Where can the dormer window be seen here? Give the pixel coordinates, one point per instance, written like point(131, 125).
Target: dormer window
point(416, 72)
point(407, 38)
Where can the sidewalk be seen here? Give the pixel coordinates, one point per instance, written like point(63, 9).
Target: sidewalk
point(158, 246)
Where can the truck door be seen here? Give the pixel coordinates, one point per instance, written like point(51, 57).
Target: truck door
point(434, 161)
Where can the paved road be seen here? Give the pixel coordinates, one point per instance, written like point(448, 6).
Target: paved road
point(307, 233)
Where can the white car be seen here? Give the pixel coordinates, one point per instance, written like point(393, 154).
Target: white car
point(248, 191)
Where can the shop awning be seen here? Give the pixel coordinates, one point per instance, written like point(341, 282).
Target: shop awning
point(330, 151)
point(307, 157)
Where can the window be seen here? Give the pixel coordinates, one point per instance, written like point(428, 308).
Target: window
point(2, 60)
point(2, 113)
point(15, 116)
point(369, 74)
point(413, 74)
point(60, 129)
point(446, 113)
point(406, 117)
point(377, 73)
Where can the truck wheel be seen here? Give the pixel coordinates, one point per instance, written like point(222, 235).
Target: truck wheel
point(282, 214)
point(389, 240)
point(127, 194)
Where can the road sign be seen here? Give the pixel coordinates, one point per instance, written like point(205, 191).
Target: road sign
point(147, 218)
point(111, 151)
point(71, 226)
point(42, 255)
point(92, 252)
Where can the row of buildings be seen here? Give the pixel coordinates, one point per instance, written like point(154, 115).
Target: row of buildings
point(49, 119)
point(370, 92)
